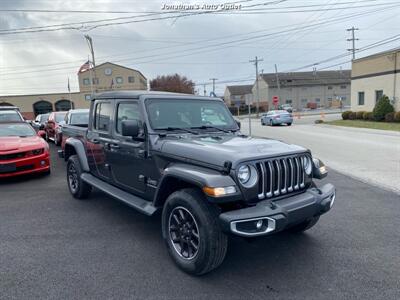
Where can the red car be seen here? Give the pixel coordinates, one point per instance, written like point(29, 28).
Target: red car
point(22, 150)
point(52, 125)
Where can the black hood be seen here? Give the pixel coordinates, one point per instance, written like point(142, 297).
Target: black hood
point(217, 149)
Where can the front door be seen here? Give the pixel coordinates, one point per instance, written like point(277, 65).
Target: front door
point(99, 138)
point(127, 155)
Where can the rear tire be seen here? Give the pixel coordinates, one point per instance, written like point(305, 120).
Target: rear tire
point(192, 232)
point(304, 225)
point(289, 124)
point(78, 188)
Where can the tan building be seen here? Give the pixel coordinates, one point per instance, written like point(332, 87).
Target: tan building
point(104, 77)
point(300, 89)
point(374, 76)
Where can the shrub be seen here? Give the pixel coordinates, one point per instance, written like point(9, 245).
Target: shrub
point(382, 107)
point(360, 115)
point(352, 116)
point(370, 116)
point(365, 115)
point(389, 117)
point(345, 114)
point(397, 117)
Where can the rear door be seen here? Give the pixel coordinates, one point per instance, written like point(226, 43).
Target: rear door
point(128, 164)
point(99, 138)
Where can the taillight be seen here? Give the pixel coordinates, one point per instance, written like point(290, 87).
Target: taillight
point(35, 152)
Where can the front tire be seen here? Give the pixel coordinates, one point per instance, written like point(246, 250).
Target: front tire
point(78, 188)
point(289, 124)
point(192, 232)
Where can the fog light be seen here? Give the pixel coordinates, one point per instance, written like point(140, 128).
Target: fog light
point(259, 224)
point(42, 162)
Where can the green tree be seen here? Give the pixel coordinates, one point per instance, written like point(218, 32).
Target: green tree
point(382, 107)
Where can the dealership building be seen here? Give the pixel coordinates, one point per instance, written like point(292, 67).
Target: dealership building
point(373, 76)
point(104, 77)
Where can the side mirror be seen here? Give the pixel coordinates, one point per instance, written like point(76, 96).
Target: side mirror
point(238, 124)
point(41, 127)
point(130, 128)
point(41, 133)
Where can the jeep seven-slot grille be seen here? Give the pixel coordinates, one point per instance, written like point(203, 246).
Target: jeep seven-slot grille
point(280, 176)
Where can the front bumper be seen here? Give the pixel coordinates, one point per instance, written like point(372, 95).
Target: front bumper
point(39, 163)
point(274, 216)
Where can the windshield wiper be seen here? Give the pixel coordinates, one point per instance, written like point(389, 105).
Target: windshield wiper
point(212, 127)
point(178, 128)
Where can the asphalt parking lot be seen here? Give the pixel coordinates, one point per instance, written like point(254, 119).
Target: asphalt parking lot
point(53, 246)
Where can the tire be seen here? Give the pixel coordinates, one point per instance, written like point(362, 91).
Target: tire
point(262, 123)
point(304, 225)
point(78, 188)
point(289, 124)
point(203, 230)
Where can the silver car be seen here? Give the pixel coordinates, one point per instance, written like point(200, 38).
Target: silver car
point(277, 117)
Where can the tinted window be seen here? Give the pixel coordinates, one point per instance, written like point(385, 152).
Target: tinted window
point(127, 111)
point(19, 129)
point(79, 118)
point(60, 116)
point(103, 116)
point(9, 116)
point(187, 114)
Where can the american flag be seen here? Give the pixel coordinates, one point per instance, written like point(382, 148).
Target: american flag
point(84, 67)
point(69, 88)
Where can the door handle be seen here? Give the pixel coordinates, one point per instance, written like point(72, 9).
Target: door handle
point(95, 141)
point(114, 146)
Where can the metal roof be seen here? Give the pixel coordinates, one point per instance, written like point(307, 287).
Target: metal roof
point(240, 89)
point(308, 78)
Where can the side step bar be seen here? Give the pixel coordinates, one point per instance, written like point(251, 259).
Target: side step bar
point(136, 202)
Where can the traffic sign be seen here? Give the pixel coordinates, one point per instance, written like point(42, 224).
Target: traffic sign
point(275, 100)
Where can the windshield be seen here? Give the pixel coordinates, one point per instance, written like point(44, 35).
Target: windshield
point(44, 117)
point(60, 116)
point(80, 118)
point(19, 129)
point(9, 116)
point(191, 113)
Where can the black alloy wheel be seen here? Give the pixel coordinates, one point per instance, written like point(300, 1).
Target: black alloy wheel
point(184, 232)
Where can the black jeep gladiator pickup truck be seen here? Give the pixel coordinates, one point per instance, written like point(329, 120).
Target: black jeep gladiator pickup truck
point(184, 155)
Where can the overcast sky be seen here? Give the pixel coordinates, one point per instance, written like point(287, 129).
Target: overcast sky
point(200, 46)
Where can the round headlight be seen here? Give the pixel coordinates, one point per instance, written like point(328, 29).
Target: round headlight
point(244, 174)
point(307, 165)
point(247, 176)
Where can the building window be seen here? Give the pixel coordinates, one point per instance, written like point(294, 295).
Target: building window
point(330, 87)
point(95, 81)
point(304, 88)
point(343, 87)
point(318, 100)
point(119, 80)
point(289, 101)
point(88, 97)
point(378, 95)
point(343, 98)
point(361, 96)
point(131, 79)
point(86, 81)
point(63, 105)
point(42, 107)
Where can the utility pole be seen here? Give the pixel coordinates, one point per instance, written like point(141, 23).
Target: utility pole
point(213, 83)
point(256, 61)
point(277, 82)
point(91, 49)
point(353, 40)
point(205, 91)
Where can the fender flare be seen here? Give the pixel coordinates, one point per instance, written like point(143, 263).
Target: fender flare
point(80, 151)
point(195, 175)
